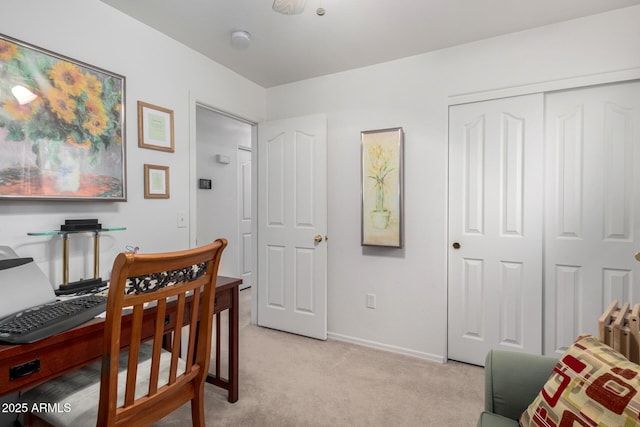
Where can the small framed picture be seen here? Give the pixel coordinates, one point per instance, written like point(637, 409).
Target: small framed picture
point(156, 182)
point(155, 127)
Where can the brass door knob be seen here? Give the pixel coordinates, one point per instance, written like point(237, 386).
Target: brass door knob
point(638, 256)
point(317, 238)
point(455, 245)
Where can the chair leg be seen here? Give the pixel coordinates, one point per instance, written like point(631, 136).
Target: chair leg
point(197, 409)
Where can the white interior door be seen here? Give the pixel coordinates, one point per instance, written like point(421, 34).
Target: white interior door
point(495, 227)
point(592, 207)
point(292, 211)
point(244, 217)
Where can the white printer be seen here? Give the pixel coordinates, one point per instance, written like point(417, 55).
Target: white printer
point(22, 283)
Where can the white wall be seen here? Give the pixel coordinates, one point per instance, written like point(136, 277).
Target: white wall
point(411, 284)
point(158, 70)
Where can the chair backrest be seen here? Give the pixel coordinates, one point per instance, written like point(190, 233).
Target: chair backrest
point(138, 281)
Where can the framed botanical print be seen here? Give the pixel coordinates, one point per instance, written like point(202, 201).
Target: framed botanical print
point(155, 127)
point(382, 187)
point(156, 182)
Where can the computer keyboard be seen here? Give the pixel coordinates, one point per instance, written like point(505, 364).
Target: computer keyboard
point(43, 321)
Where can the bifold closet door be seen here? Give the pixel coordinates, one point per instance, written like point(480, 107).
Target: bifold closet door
point(592, 198)
point(495, 227)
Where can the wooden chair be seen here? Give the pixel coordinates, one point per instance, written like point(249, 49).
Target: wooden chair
point(142, 383)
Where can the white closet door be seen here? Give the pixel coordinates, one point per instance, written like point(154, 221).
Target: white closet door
point(592, 207)
point(495, 227)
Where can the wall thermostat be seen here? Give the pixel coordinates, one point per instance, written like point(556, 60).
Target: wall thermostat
point(205, 184)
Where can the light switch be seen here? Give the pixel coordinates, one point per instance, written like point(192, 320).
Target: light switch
point(182, 219)
point(371, 300)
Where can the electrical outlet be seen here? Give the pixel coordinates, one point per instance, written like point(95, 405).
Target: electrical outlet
point(182, 219)
point(371, 300)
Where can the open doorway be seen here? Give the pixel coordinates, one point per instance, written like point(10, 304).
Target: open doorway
point(223, 198)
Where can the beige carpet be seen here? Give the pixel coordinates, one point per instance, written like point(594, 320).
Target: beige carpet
point(288, 380)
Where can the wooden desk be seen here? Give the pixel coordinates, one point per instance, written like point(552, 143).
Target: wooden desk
point(82, 345)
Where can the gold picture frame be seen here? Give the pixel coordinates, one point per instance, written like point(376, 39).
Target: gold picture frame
point(155, 127)
point(382, 187)
point(156, 182)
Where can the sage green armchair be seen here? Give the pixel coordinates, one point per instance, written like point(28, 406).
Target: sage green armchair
point(511, 381)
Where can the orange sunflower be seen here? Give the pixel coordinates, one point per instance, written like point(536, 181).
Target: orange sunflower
point(97, 118)
point(62, 105)
point(94, 86)
point(96, 124)
point(72, 141)
point(7, 50)
point(20, 112)
point(68, 77)
point(94, 105)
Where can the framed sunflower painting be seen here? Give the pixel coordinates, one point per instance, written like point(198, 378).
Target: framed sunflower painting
point(61, 127)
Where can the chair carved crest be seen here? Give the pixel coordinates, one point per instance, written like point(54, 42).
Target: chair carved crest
point(153, 282)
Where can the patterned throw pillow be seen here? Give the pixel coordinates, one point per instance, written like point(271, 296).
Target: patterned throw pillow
point(591, 385)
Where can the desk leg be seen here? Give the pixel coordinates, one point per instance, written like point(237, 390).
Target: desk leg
point(233, 345)
point(167, 343)
point(218, 349)
point(231, 385)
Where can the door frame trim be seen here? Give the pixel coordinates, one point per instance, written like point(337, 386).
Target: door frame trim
point(194, 103)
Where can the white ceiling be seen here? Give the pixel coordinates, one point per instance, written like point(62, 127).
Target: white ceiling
point(352, 33)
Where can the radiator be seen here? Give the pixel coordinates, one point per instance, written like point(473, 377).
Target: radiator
point(619, 328)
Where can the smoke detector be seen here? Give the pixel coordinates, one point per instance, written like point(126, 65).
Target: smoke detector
point(240, 39)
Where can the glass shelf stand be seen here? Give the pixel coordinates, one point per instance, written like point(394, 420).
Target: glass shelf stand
point(65, 248)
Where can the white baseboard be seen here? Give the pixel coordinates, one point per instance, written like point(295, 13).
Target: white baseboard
point(386, 347)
